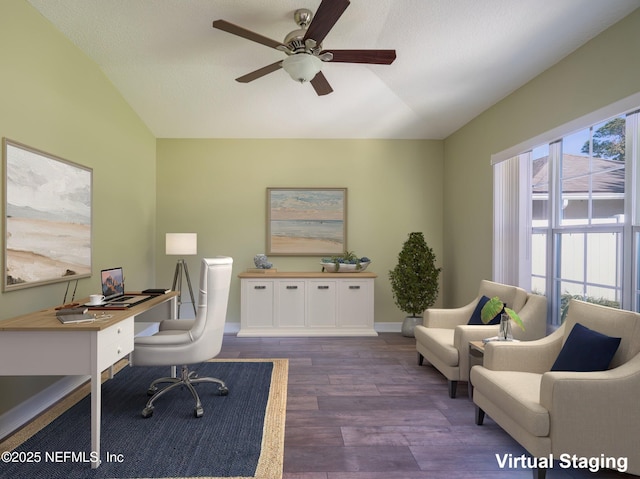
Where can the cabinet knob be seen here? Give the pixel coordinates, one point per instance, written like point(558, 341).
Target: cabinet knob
point(354, 287)
point(292, 287)
point(259, 287)
point(323, 287)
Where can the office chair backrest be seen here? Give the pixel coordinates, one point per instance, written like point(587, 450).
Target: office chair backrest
point(215, 281)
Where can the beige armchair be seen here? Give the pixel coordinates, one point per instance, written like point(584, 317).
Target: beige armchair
point(562, 413)
point(443, 338)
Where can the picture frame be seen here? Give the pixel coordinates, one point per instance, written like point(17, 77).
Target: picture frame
point(47, 212)
point(306, 221)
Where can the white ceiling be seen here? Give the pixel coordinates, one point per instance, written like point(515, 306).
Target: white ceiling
point(455, 58)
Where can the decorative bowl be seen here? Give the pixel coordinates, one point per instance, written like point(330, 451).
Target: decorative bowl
point(344, 267)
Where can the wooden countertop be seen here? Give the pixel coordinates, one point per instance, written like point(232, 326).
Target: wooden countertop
point(306, 274)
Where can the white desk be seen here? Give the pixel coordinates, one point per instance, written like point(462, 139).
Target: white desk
point(38, 344)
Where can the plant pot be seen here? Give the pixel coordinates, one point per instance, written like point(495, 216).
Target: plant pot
point(409, 324)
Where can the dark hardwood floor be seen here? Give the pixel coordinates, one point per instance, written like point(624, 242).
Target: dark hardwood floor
point(361, 408)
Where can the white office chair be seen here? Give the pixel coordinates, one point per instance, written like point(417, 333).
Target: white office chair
point(189, 341)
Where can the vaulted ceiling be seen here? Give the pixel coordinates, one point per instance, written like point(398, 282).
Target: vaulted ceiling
point(455, 58)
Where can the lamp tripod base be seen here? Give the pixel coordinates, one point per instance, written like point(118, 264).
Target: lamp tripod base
point(181, 267)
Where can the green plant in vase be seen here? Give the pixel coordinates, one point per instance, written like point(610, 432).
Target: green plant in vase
point(495, 306)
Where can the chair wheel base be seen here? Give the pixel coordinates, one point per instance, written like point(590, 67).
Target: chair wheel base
point(198, 412)
point(223, 390)
point(147, 412)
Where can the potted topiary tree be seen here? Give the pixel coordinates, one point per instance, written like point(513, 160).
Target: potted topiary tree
point(414, 280)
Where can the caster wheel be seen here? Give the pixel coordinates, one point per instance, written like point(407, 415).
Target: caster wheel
point(198, 412)
point(151, 391)
point(223, 390)
point(147, 412)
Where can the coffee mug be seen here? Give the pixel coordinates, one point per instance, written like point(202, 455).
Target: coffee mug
point(96, 298)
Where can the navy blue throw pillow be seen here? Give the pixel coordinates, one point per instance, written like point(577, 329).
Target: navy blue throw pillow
point(586, 350)
point(476, 317)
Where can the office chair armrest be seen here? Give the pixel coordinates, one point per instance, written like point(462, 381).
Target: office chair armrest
point(176, 324)
point(175, 338)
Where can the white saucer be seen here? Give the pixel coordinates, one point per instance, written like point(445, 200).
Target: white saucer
point(94, 304)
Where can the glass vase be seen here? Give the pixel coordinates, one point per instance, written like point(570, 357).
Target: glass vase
point(504, 334)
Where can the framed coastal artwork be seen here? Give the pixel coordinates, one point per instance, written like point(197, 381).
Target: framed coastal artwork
point(47, 218)
point(306, 221)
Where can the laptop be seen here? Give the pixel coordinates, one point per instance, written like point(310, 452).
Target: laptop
point(113, 289)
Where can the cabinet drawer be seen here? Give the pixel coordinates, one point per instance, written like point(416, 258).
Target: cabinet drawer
point(258, 304)
point(322, 304)
point(355, 303)
point(290, 306)
point(115, 342)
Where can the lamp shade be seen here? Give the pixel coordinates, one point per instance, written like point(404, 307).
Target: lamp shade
point(302, 66)
point(182, 243)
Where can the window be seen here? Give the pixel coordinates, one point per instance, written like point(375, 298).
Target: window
point(583, 239)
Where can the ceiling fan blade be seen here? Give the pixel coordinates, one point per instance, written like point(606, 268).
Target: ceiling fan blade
point(260, 72)
point(380, 57)
point(321, 85)
point(244, 33)
point(325, 18)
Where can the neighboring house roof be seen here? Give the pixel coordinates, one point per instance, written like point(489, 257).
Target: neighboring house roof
point(606, 176)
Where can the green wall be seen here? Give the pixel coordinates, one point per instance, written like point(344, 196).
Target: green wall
point(55, 99)
point(599, 73)
point(217, 188)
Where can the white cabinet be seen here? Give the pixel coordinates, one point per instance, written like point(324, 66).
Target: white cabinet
point(307, 304)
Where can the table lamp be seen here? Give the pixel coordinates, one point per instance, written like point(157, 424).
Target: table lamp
point(182, 244)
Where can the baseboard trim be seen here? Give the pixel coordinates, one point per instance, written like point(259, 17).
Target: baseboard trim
point(395, 327)
point(388, 327)
point(231, 328)
point(16, 417)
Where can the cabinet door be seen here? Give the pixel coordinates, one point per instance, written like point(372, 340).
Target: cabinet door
point(322, 303)
point(258, 304)
point(290, 306)
point(355, 304)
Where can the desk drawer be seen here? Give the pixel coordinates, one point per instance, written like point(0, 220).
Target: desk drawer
point(115, 342)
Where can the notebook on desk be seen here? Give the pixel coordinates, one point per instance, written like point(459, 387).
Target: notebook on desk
point(113, 289)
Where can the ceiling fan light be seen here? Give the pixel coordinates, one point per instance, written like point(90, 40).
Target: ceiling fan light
point(302, 67)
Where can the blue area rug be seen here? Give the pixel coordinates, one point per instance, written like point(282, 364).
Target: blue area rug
point(227, 442)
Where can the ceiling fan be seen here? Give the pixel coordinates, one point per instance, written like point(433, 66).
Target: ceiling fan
point(303, 47)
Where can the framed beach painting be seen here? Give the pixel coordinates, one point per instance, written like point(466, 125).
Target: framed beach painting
point(306, 221)
point(47, 218)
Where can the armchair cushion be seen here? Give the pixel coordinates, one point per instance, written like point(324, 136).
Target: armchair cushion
point(440, 341)
point(586, 350)
point(517, 394)
point(476, 316)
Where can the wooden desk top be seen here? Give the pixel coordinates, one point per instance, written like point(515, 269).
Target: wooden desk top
point(46, 320)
